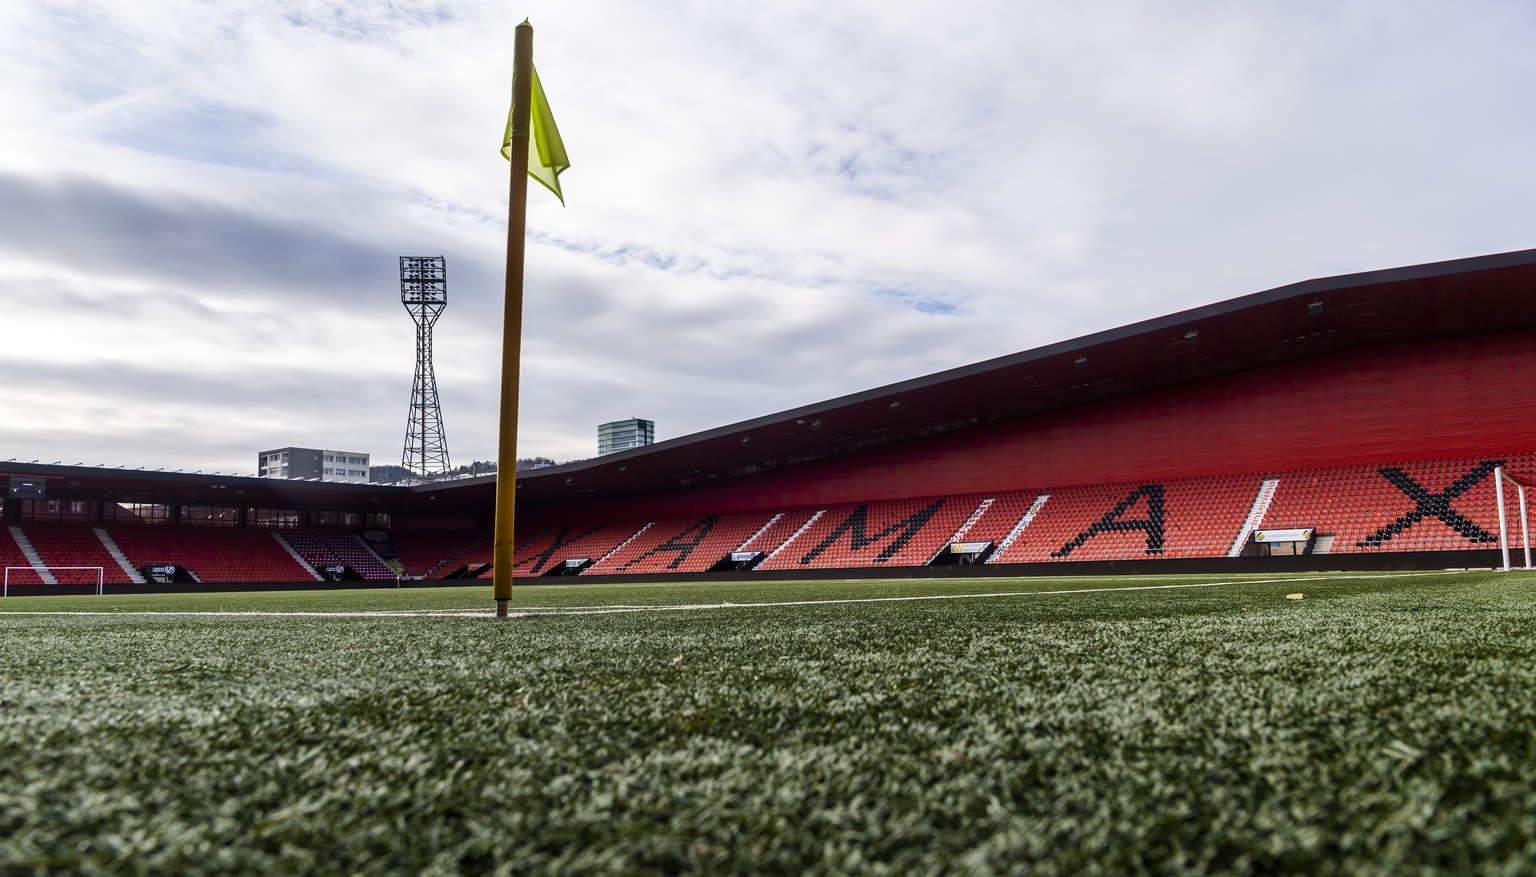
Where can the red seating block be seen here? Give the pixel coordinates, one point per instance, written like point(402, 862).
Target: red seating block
point(214, 554)
point(432, 553)
point(1184, 517)
point(904, 532)
point(554, 544)
point(683, 544)
point(74, 545)
point(1433, 505)
point(323, 547)
point(10, 555)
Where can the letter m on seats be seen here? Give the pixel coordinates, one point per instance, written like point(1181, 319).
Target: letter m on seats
point(856, 528)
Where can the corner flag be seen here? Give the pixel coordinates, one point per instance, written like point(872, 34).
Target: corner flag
point(532, 140)
point(547, 159)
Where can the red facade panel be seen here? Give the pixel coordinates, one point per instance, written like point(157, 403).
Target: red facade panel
point(1458, 397)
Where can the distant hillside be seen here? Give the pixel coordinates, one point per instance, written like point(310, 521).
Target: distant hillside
point(391, 474)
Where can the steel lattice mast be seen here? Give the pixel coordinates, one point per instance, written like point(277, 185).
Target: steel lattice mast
point(424, 292)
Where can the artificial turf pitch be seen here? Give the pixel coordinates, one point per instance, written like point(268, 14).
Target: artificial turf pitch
point(1383, 724)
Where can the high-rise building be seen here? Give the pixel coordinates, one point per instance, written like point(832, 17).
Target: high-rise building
point(313, 464)
point(621, 435)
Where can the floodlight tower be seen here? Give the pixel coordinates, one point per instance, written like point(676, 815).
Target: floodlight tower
point(424, 292)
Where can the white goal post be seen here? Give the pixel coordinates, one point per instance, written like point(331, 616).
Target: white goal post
point(1499, 477)
point(37, 572)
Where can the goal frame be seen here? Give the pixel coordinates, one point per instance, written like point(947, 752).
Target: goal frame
point(1500, 475)
point(101, 576)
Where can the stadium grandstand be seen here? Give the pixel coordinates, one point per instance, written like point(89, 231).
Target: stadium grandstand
point(1347, 422)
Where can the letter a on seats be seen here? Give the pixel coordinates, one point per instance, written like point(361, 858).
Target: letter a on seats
point(1114, 522)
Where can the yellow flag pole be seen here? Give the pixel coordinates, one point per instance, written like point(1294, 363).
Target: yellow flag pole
point(512, 319)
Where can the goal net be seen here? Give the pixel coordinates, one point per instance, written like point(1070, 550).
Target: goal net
point(1519, 483)
point(19, 579)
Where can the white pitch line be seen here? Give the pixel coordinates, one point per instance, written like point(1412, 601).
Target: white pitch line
point(623, 609)
point(615, 610)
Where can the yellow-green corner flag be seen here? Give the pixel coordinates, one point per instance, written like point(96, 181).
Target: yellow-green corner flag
point(547, 159)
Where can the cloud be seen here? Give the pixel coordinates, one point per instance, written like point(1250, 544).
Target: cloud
point(98, 228)
point(201, 203)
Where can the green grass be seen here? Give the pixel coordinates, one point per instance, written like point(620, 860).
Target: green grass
point(1381, 725)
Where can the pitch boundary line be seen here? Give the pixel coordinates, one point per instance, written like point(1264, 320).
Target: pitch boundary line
point(626, 609)
point(616, 610)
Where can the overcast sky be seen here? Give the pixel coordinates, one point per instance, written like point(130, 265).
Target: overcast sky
point(770, 204)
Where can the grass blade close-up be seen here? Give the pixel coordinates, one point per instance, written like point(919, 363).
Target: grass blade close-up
point(1379, 724)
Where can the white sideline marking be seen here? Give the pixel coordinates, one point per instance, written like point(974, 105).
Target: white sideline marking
point(620, 609)
point(613, 610)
